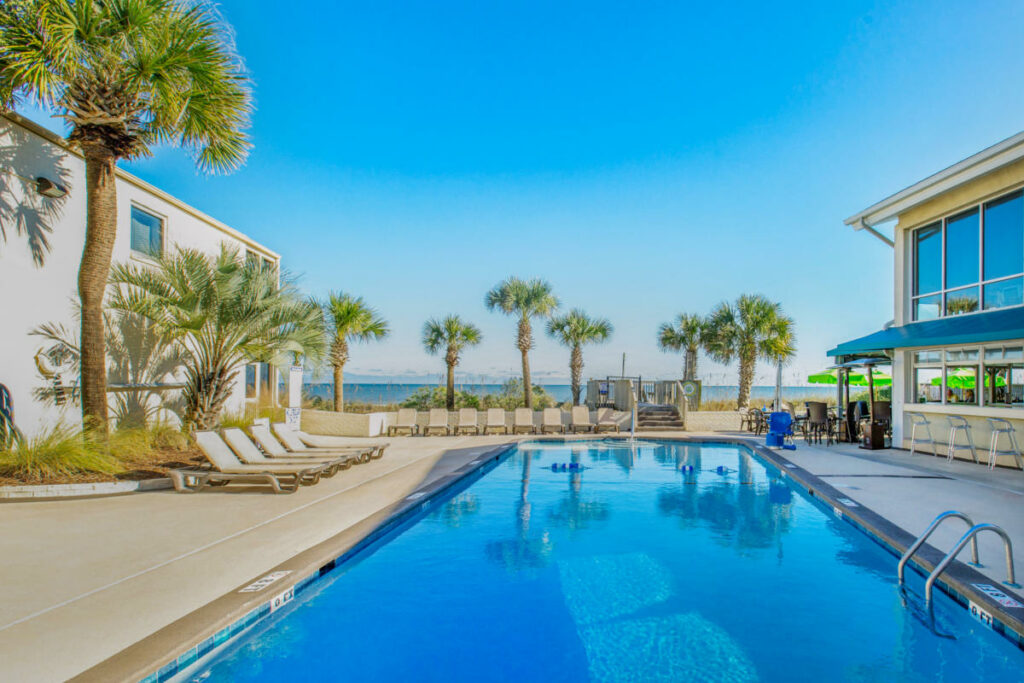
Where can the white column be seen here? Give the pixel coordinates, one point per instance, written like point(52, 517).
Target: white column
point(293, 413)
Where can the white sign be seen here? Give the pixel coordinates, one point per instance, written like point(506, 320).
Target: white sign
point(848, 503)
point(260, 584)
point(281, 599)
point(997, 595)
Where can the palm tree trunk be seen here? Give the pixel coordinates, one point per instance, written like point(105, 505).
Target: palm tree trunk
point(690, 372)
point(100, 232)
point(339, 388)
point(524, 343)
point(576, 372)
point(449, 400)
point(746, 379)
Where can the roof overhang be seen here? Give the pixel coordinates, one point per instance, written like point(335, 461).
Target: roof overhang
point(962, 329)
point(998, 155)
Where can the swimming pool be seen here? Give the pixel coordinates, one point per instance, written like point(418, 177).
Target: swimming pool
point(629, 566)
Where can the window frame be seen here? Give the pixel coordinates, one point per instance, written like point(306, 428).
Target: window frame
point(980, 363)
point(146, 256)
point(944, 290)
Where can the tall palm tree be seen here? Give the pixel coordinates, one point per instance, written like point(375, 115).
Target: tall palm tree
point(526, 299)
point(686, 334)
point(349, 319)
point(752, 328)
point(124, 75)
point(450, 334)
point(223, 314)
point(574, 329)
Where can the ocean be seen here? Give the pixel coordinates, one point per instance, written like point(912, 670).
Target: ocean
point(382, 394)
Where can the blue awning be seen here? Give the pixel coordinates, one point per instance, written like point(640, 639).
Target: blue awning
point(961, 329)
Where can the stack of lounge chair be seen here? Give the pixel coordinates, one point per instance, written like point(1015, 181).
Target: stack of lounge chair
point(283, 464)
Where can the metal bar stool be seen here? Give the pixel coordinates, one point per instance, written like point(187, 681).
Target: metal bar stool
point(957, 424)
point(1001, 426)
point(919, 420)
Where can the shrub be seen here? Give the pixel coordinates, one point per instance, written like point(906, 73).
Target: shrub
point(58, 452)
point(426, 398)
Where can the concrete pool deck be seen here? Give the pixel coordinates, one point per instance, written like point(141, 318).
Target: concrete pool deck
point(86, 579)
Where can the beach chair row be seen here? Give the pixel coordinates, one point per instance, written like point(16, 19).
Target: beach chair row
point(282, 460)
point(467, 421)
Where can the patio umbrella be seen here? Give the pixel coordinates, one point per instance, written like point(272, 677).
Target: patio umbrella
point(963, 378)
point(830, 376)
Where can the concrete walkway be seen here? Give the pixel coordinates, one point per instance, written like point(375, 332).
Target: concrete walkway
point(84, 579)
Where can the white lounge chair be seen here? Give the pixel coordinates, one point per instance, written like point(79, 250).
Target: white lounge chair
point(523, 422)
point(468, 421)
point(438, 422)
point(605, 421)
point(495, 421)
point(227, 469)
point(405, 422)
point(248, 453)
point(292, 441)
point(581, 420)
point(552, 421)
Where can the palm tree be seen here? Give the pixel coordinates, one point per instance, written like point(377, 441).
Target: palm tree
point(452, 335)
point(124, 75)
point(223, 313)
point(686, 334)
point(752, 328)
point(349, 319)
point(527, 299)
point(574, 329)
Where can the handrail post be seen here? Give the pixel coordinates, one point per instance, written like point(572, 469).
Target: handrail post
point(928, 532)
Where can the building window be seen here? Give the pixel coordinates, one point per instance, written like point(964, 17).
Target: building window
point(954, 376)
point(971, 261)
point(250, 380)
point(147, 233)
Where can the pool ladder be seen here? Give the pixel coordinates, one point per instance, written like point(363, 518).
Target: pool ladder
point(969, 537)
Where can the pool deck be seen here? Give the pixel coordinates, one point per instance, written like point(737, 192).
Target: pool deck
point(85, 579)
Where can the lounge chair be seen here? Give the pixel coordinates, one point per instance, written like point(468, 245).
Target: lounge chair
point(552, 421)
point(605, 422)
point(522, 422)
point(292, 441)
point(438, 422)
point(581, 420)
point(227, 469)
point(468, 421)
point(248, 453)
point(495, 421)
point(405, 422)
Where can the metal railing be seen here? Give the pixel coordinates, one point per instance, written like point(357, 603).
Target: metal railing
point(928, 532)
point(969, 536)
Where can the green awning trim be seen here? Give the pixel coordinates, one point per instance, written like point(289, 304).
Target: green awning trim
point(961, 329)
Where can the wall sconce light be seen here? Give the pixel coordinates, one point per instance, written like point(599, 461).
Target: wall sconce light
point(50, 189)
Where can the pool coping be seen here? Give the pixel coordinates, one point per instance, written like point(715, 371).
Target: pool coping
point(163, 654)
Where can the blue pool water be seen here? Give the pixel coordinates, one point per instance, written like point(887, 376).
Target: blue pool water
point(629, 570)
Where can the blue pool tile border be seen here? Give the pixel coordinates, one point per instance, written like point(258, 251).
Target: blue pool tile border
point(820, 492)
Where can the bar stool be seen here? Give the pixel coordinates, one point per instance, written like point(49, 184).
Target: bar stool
point(999, 427)
point(957, 424)
point(919, 420)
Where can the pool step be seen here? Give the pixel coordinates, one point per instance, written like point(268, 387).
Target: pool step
point(658, 418)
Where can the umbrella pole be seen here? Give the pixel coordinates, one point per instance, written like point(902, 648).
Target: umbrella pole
point(871, 392)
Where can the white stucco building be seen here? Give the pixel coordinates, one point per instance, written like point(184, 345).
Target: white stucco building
point(956, 339)
point(41, 240)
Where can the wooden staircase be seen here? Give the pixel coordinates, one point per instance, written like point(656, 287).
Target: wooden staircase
point(651, 418)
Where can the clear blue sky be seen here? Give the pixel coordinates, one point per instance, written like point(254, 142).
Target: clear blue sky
point(646, 158)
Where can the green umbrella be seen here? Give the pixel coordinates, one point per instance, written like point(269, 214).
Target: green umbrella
point(963, 378)
point(856, 378)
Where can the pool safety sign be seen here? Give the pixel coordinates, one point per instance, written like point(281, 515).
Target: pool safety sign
point(997, 595)
point(980, 614)
point(260, 584)
point(281, 599)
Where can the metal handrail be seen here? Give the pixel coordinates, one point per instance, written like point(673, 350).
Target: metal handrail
point(971, 533)
point(928, 532)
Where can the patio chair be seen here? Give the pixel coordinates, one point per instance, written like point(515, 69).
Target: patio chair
point(273, 448)
point(495, 421)
point(438, 422)
point(248, 453)
point(227, 469)
point(551, 421)
point(605, 421)
point(293, 442)
point(748, 419)
point(468, 421)
point(522, 422)
point(405, 422)
point(818, 423)
point(581, 420)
